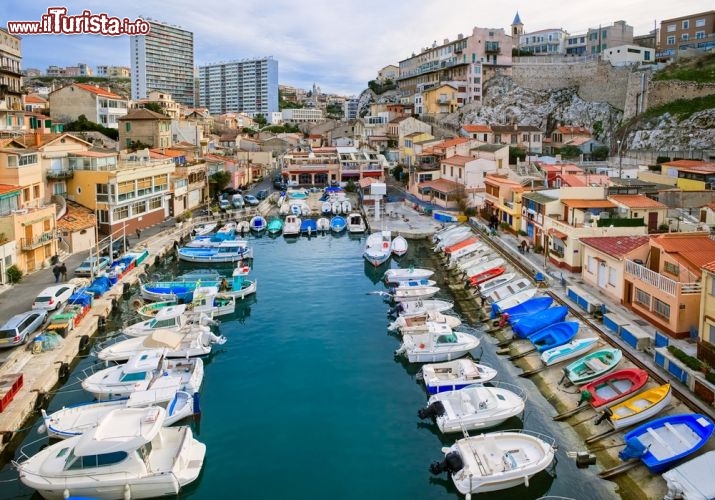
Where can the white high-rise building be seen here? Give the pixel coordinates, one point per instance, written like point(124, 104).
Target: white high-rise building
point(248, 86)
point(163, 60)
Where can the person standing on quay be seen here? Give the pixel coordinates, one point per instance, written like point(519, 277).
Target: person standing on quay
point(139, 233)
point(63, 270)
point(57, 271)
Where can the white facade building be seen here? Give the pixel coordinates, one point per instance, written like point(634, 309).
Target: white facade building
point(302, 115)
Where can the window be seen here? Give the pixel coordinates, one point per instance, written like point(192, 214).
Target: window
point(612, 276)
point(103, 216)
point(102, 191)
point(670, 40)
point(155, 203)
point(128, 127)
point(671, 268)
point(642, 297)
point(27, 160)
point(120, 213)
point(686, 24)
point(591, 264)
point(661, 308)
point(139, 207)
point(670, 28)
point(699, 34)
point(699, 23)
point(684, 37)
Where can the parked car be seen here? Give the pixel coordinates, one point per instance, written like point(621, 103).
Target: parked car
point(16, 330)
point(53, 297)
point(92, 266)
point(251, 200)
point(262, 194)
point(224, 204)
point(237, 201)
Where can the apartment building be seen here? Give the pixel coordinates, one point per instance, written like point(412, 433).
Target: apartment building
point(249, 86)
point(11, 112)
point(546, 42)
point(694, 31)
point(303, 115)
point(163, 60)
point(98, 104)
point(113, 71)
point(144, 128)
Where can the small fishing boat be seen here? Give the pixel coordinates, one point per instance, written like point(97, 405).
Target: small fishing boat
point(613, 387)
point(145, 370)
point(454, 375)
point(308, 227)
point(495, 283)
point(296, 208)
point(406, 274)
point(448, 230)
point(482, 254)
point(399, 246)
point(554, 335)
point(512, 301)
point(592, 365)
point(197, 342)
point(567, 351)
point(475, 407)
point(413, 283)
point(291, 226)
point(204, 229)
point(528, 325)
point(478, 271)
point(209, 301)
point(346, 207)
point(377, 248)
point(464, 233)
point(356, 224)
point(238, 286)
point(258, 223)
point(323, 224)
point(441, 343)
point(465, 251)
point(467, 243)
point(176, 316)
point(527, 308)
point(77, 419)
point(421, 306)
point(663, 441)
point(326, 208)
point(419, 323)
point(275, 226)
point(337, 224)
point(495, 461)
point(637, 408)
point(226, 251)
point(507, 290)
point(405, 294)
point(691, 480)
point(243, 227)
point(151, 309)
point(336, 207)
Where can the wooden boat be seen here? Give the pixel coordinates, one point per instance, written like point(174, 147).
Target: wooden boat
point(474, 407)
point(454, 238)
point(567, 351)
point(465, 243)
point(323, 224)
point(479, 272)
point(258, 223)
point(453, 375)
point(421, 306)
point(494, 283)
point(377, 248)
point(404, 294)
point(151, 309)
point(399, 246)
point(406, 274)
point(527, 325)
point(337, 224)
point(592, 365)
point(663, 441)
point(508, 290)
point(291, 226)
point(418, 323)
point(512, 301)
point(638, 408)
point(440, 343)
point(275, 226)
point(356, 225)
point(554, 335)
point(482, 254)
point(613, 387)
point(495, 461)
point(527, 308)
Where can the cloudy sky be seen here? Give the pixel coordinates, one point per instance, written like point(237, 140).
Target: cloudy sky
point(338, 44)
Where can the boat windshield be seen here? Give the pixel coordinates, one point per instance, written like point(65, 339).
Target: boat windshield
point(163, 323)
point(447, 339)
point(74, 462)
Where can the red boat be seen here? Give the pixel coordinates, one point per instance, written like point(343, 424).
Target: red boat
point(453, 248)
point(613, 387)
point(486, 275)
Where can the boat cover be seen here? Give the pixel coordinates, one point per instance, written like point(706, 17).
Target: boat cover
point(692, 479)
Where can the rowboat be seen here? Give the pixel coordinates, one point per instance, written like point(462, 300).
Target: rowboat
point(527, 325)
point(308, 227)
point(464, 258)
point(449, 230)
point(453, 375)
point(691, 480)
point(471, 260)
point(592, 365)
point(405, 274)
point(507, 290)
point(613, 387)
point(567, 351)
point(463, 247)
point(554, 335)
point(527, 308)
point(663, 441)
point(494, 283)
point(512, 301)
point(495, 268)
point(377, 247)
point(323, 224)
point(338, 224)
point(258, 223)
point(399, 246)
point(275, 226)
point(225, 251)
point(496, 460)
point(204, 229)
point(151, 309)
point(638, 408)
point(460, 233)
point(413, 283)
point(482, 267)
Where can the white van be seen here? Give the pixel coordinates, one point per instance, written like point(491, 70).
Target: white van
point(237, 201)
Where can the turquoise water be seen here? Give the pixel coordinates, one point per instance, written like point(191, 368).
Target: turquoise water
point(305, 400)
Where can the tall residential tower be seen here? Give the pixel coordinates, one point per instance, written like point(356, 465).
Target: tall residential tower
point(163, 60)
point(248, 86)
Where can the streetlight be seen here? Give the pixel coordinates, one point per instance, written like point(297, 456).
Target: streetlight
point(690, 146)
point(620, 159)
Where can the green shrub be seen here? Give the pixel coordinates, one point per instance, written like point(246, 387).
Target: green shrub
point(14, 274)
point(687, 360)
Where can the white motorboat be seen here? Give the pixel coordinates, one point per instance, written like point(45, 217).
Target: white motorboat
point(225, 251)
point(419, 323)
point(377, 248)
point(480, 251)
point(513, 300)
point(175, 344)
point(441, 343)
point(413, 283)
point(474, 407)
point(145, 370)
point(496, 460)
point(326, 208)
point(508, 290)
point(176, 317)
point(421, 306)
point(356, 224)
point(291, 226)
point(204, 229)
point(454, 375)
point(346, 206)
point(336, 207)
point(404, 294)
point(243, 226)
point(399, 245)
point(80, 418)
point(473, 261)
point(443, 234)
point(209, 302)
point(323, 224)
point(495, 283)
point(406, 274)
point(465, 251)
point(453, 239)
point(129, 454)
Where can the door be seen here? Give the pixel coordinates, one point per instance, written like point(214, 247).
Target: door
point(652, 221)
point(627, 292)
point(602, 274)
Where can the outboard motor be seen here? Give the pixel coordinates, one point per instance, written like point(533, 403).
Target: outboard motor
point(451, 464)
point(605, 415)
point(432, 411)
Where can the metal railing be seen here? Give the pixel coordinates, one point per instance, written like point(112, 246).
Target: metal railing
point(37, 241)
point(657, 280)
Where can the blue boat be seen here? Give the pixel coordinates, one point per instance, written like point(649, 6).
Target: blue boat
point(663, 441)
point(226, 251)
point(308, 227)
point(526, 325)
point(338, 224)
point(554, 335)
point(529, 307)
point(183, 291)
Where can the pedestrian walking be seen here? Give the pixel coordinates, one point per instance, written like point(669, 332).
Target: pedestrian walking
point(57, 271)
point(63, 270)
point(139, 233)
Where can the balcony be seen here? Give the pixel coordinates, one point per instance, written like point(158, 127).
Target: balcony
point(37, 241)
point(657, 280)
point(491, 48)
point(13, 70)
point(59, 175)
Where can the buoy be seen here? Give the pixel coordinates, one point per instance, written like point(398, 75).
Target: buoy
point(41, 429)
point(66, 493)
point(127, 492)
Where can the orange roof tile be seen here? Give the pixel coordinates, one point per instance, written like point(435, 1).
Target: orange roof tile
point(8, 188)
point(615, 246)
point(636, 201)
point(573, 130)
point(35, 99)
point(448, 143)
point(685, 163)
point(76, 218)
point(502, 181)
point(474, 128)
point(583, 180)
point(441, 185)
point(588, 203)
point(458, 160)
point(98, 90)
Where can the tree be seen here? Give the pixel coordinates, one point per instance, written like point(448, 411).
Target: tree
point(570, 152)
point(218, 181)
point(516, 152)
point(600, 153)
point(155, 107)
point(260, 120)
point(82, 124)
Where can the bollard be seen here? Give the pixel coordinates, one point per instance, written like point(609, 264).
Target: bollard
point(41, 401)
point(83, 343)
point(125, 288)
point(64, 371)
point(102, 323)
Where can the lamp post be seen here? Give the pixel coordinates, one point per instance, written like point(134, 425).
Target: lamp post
point(620, 159)
point(690, 146)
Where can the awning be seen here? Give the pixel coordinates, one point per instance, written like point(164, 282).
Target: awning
point(557, 234)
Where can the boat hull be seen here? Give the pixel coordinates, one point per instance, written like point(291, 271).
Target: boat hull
point(532, 324)
point(640, 407)
point(615, 386)
point(565, 352)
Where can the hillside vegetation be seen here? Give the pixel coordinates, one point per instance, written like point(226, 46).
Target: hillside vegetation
point(697, 69)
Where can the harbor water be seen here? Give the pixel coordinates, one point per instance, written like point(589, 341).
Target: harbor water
point(306, 399)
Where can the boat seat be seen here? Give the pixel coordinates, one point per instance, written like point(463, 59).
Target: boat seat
point(659, 439)
point(677, 434)
point(595, 364)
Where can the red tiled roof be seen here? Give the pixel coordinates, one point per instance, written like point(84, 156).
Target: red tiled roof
point(578, 141)
point(558, 234)
point(573, 130)
point(636, 201)
point(695, 249)
point(458, 160)
point(615, 246)
point(8, 188)
point(98, 90)
point(448, 143)
point(441, 185)
point(35, 99)
point(588, 203)
point(76, 218)
point(710, 266)
point(684, 163)
point(476, 128)
point(581, 180)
